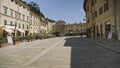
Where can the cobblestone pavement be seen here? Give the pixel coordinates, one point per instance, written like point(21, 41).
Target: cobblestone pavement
point(60, 52)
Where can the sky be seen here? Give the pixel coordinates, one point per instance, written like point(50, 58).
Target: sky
point(70, 11)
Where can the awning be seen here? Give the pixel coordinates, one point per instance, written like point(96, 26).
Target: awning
point(9, 31)
point(7, 26)
point(1, 25)
point(22, 31)
point(10, 27)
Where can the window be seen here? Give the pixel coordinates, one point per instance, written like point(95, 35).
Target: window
point(11, 0)
point(108, 27)
point(106, 6)
point(27, 9)
point(5, 22)
point(20, 5)
point(19, 15)
point(92, 2)
point(5, 10)
point(95, 13)
point(81, 30)
point(19, 25)
point(27, 19)
point(11, 23)
point(16, 14)
point(11, 12)
point(95, 1)
point(27, 26)
point(23, 7)
point(15, 2)
point(23, 17)
point(15, 24)
point(23, 26)
point(100, 10)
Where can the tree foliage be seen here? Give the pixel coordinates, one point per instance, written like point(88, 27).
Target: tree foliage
point(35, 8)
point(56, 33)
point(50, 20)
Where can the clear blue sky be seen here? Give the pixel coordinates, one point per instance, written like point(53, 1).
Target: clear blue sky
point(70, 11)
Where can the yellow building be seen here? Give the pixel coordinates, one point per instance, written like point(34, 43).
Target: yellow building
point(44, 27)
point(75, 29)
point(87, 7)
point(34, 23)
point(50, 26)
point(103, 18)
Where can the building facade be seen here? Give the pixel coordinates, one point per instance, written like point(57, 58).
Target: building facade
point(14, 16)
point(50, 26)
point(75, 29)
point(44, 25)
point(103, 18)
point(17, 19)
point(35, 23)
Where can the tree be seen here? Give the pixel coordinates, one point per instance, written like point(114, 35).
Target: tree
point(35, 8)
point(56, 33)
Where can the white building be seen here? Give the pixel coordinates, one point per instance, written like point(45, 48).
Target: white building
point(14, 12)
point(16, 18)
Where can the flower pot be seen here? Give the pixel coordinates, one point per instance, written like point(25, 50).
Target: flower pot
point(29, 40)
point(33, 39)
point(16, 42)
point(3, 45)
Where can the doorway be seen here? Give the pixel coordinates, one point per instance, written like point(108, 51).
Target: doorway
point(107, 29)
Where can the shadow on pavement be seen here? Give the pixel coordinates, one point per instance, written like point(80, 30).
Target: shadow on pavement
point(86, 54)
point(75, 44)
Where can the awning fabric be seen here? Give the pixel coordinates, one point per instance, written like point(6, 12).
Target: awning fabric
point(9, 31)
point(1, 25)
point(22, 31)
point(10, 27)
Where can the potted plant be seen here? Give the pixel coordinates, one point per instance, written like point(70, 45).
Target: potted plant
point(28, 38)
point(16, 40)
point(33, 38)
point(3, 43)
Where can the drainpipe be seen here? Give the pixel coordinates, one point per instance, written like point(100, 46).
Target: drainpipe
point(115, 20)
